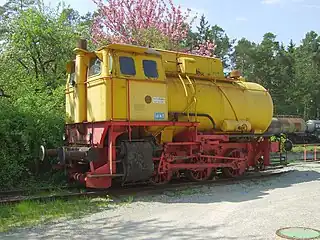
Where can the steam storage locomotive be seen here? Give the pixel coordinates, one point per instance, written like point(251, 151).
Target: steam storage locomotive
point(296, 129)
point(136, 114)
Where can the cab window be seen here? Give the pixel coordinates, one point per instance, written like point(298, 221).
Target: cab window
point(94, 67)
point(110, 63)
point(127, 66)
point(72, 79)
point(150, 68)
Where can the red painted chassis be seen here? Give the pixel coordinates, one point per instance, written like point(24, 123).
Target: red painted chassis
point(196, 154)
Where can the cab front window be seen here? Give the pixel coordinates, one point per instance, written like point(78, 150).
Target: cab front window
point(127, 66)
point(150, 68)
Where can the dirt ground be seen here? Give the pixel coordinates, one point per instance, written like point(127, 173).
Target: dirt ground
point(252, 209)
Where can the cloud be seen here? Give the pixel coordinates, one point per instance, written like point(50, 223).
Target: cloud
point(241, 19)
point(311, 6)
point(270, 1)
point(273, 2)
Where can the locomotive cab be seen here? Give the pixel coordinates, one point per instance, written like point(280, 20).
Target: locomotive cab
point(137, 85)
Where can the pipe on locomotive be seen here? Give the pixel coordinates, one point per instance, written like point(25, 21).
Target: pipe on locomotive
point(175, 114)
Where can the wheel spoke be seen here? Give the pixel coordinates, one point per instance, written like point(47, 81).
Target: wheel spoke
point(199, 175)
point(161, 178)
point(230, 172)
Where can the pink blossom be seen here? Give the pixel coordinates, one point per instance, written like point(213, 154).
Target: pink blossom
point(141, 22)
point(206, 48)
point(124, 20)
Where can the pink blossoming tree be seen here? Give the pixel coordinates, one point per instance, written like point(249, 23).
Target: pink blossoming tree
point(152, 23)
point(205, 48)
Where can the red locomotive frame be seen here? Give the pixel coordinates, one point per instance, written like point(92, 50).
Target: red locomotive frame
point(197, 154)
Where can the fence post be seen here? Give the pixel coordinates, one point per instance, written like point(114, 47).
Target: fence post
point(315, 153)
point(305, 153)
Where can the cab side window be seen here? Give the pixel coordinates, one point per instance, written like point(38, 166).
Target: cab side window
point(127, 66)
point(94, 67)
point(72, 79)
point(110, 63)
point(150, 68)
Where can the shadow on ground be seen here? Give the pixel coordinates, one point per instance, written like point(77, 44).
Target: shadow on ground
point(149, 229)
point(122, 225)
point(240, 191)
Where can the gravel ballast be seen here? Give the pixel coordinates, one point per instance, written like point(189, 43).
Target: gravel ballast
point(251, 209)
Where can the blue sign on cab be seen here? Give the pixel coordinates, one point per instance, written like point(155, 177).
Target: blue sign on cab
point(159, 115)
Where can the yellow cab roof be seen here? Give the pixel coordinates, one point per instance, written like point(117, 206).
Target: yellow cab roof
point(142, 50)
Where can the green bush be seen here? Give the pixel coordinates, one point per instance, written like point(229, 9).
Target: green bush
point(35, 44)
point(25, 123)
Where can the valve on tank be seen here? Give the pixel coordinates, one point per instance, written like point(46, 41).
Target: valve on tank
point(235, 75)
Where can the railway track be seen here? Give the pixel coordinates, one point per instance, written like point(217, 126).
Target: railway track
point(30, 191)
point(16, 196)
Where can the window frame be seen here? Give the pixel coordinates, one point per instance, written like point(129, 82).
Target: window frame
point(72, 80)
point(134, 65)
point(156, 67)
point(95, 58)
point(110, 63)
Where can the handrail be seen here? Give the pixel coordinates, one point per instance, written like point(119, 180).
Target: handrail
point(184, 85)
point(194, 96)
point(225, 95)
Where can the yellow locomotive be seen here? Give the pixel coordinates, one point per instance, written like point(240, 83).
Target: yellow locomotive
point(141, 114)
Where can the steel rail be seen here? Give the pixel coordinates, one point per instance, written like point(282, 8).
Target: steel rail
point(141, 189)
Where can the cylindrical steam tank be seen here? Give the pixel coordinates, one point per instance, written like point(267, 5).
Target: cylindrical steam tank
point(234, 106)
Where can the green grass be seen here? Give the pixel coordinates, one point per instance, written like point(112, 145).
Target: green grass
point(31, 213)
point(308, 148)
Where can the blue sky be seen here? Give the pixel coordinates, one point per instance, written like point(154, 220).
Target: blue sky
point(288, 19)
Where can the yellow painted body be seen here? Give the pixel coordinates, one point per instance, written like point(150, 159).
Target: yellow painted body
point(184, 84)
point(234, 106)
point(76, 101)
